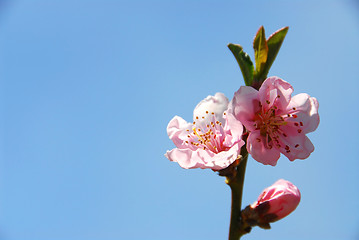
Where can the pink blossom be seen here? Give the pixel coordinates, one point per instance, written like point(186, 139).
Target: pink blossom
point(280, 199)
point(276, 122)
point(213, 140)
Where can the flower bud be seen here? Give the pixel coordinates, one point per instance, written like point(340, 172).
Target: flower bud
point(283, 198)
point(273, 204)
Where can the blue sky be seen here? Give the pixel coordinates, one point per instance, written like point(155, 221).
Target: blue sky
point(88, 87)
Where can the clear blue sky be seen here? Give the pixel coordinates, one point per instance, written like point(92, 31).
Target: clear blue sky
point(88, 87)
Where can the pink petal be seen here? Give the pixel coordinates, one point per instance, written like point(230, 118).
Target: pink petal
point(234, 126)
point(306, 112)
point(275, 91)
point(244, 105)
point(223, 159)
point(295, 145)
point(216, 104)
point(186, 158)
point(203, 159)
point(256, 147)
point(177, 131)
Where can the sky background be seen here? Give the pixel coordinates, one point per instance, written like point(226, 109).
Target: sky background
point(87, 89)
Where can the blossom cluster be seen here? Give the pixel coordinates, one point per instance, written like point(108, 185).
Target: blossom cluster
point(272, 121)
point(262, 120)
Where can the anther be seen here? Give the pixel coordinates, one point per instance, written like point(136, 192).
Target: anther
point(268, 102)
point(301, 124)
point(299, 130)
point(297, 145)
point(294, 108)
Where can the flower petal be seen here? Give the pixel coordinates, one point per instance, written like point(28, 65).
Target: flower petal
point(223, 159)
point(234, 126)
point(256, 147)
point(177, 131)
point(186, 158)
point(244, 105)
point(203, 159)
point(216, 104)
point(296, 146)
point(306, 112)
point(275, 91)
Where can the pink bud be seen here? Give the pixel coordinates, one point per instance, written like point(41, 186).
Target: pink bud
point(277, 201)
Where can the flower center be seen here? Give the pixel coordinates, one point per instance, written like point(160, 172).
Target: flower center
point(207, 135)
point(269, 121)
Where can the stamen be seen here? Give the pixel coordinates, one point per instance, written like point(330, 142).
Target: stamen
point(209, 136)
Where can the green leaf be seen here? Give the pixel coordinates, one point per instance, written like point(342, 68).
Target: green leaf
point(244, 62)
point(260, 50)
point(274, 43)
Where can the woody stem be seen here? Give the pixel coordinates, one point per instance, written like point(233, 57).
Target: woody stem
point(236, 184)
